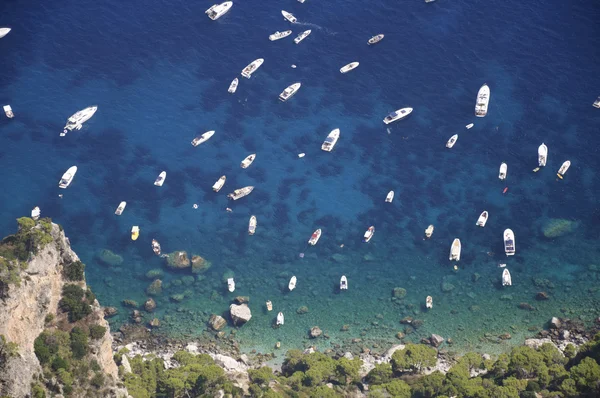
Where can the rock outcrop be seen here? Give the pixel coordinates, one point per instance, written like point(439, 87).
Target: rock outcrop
point(240, 314)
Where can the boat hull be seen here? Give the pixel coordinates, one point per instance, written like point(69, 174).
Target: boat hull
point(397, 115)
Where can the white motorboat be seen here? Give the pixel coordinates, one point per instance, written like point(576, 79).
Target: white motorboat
point(369, 234)
point(66, 179)
point(563, 169)
point(252, 67)
point(248, 161)
point(503, 171)
point(506, 279)
point(343, 283)
point(429, 231)
point(349, 67)
point(280, 35)
point(156, 247)
point(289, 92)
point(135, 232)
point(288, 16)
point(389, 197)
point(483, 100)
point(252, 225)
point(331, 140)
point(470, 126)
point(301, 155)
point(397, 115)
point(301, 1)
point(292, 284)
point(542, 155)
point(233, 86)
point(120, 208)
point(4, 32)
point(219, 184)
point(218, 10)
point(314, 238)
point(429, 302)
point(509, 242)
point(240, 193)
point(203, 138)
point(452, 141)
point(269, 305)
point(8, 111)
point(76, 121)
point(483, 217)
point(160, 180)
point(230, 284)
point(280, 319)
point(35, 213)
point(455, 250)
point(302, 36)
point(376, 39)
point(596, 103)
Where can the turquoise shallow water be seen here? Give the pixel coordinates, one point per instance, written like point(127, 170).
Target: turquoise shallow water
point(159, 74)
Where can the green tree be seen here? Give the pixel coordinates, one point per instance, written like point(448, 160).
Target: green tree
point(261, 376)
point(347, 370)
point(527, 363)
point(97, 332)
point(323, 392)
point(74, 271)
point(73, 302)
point(431, 385)
point(382, 373)
point(413, 358)
point(586, 376)
point(398, 389)
point(79, 343)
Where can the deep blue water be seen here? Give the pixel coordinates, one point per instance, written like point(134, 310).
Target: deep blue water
point(159, 73)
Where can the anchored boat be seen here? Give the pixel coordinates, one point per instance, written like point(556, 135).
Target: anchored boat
point(397, 115)
point(542, 155)
point(369, 234)
point(160, 180)
point(76, 121)
point(429, 231)
point(314, 238)
point(429, 302)
point(8, 111)
point(240, 193)
point(230, 285)
point(233, 86)
point(331, 140)
point(67, 178)
point(452, 141)
point(289, 91)
point(289, 16)
point(252, 67)
point(219, 184)
point(135, 232)
point(503, 171)
point(563, 169)
point(509, 242)
point(455, 250)
point(252, 225)
point(203, 138)
point(483, 100)
point(349, 67)
point(4, 32)
point(248, 161)
point(279, 35)
point(156, 247)
point(120, 208)
point(343, 283)
point(35, 213)
point(389, 197)
point(482, 219)
point(280, 319)
point(292, 284)
point(302, 36)
point(376, 39)
point(506, 279)
point(218, 10)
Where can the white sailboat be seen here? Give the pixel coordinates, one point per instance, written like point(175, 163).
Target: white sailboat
point(280, 35)
point(219, 184)
point(542, 155)
point(331, 140)
point(248, 161)
point(349, 67)
point(483, 100)
point(503, 171)
point(389, 197)
point(280, 319)
point(35, 213)
point(230, 284)
point(302, 36)
point(8, 111)
point(67, 178)
point(160, 180)
point(233, 86)
point(509, 242)
point(314, 238)
point(397, 115)
point(369, 234)
point(455, 250)
point(429, 302)
point(289, 91)
point(292, 284)
point(203, 138)
point(252, 225)
point(289, 16)
point(506, 279)
point(563, 169)
point(218, 10)
point(452, 141)
point(252, 67)
point(120, 208)
point(343, 283)
point(482, 219)
point(76, 121)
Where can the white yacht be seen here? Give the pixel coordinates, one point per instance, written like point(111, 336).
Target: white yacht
point(230, 285)
point(397, 115)
point(389, 197)
point(219, 184)
point(292, 284)
point(455, 250)
point(369, 234)
point(218, 10)
point(280, 319)
point(429, 302)
point(314, 238)
point(483, 100)
point(202, 138)
point(452, 141)
point(302, 36)
point(280, 35)
point(542, 155)
point(35, 213)
point(76, 121)
point(288, 16)
point(503, 171)
point(248, 161)
point(563, 169)
point(233, 86)
point(156, 247)
point(506, 279)
point(252, 225)
point(8, 111)
point(160, 180)
point(470, 126)
point(429, 231)
point(343, 283)
point(120, 208)
point(252, 67)
point(66, 179)
point(596, 103)
point(4, 32)
point(349, 67)
point(289, 92)
point(240, 193)
point(331, 140)
point(483, 217)
point(509, 242)
point(376, 39)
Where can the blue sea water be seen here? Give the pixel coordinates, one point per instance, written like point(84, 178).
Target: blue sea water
point(159, 73)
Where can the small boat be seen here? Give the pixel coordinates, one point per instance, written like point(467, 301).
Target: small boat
point(252, 225)
point(349, 67)
point(452, 141)
point(376, 39)
point(269, 305)
point(4, 32)
point(233, 86)
point(252, 67)
point(369, 234)
point(160, 180)
point(8, 111)
point(203, 138)
point(482, 219)
point(279, 35)
point(230, 284)
point(331, 140)
point(596, 103)
point(483, 100)
point(389, 197)
point(563, 169)
point(536, 169)
point(509, 242)
point(292, 284)
point(455, 250)
point(429, 302)
point(503, 171)
point(218, 10)
point(505, 190)
point(240, 193)
point(429, 231)
point(248, 161)
point(469, 126)
point(429, 1)
point(66, 179)
point(506, 279)
point(288, 16)
point(280, 319)
point(120, 208)
point(135, 232)
point(156, 247)
point(343, 283)
point(35, 213)
point(301, 1)
point(76, 121)
point(314, 238)
point(301, 155)
point(302, 36)
point(397, 115)
point(289, 92)
point(219, 184)
point(542, 155)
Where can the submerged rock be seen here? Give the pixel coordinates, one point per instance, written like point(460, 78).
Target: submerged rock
point(399, 292)
point(447, 287)
point(199, 264)
point(110, 311)
point(241, 299)
point(555, 323)
point(556, 227)
point(217, 322)
point(130, 303)
point(178, 260)
point(154, 274)
point(436, 340)
point(155, 288)
point(109, 258)
point(154, 323)
point(315, 332)
point(240, 314)
point(302, 310)
point(150, 305)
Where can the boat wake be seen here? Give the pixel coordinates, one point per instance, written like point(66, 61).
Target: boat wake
point(319, 27)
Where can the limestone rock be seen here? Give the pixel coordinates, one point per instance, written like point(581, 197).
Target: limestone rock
point(240, 314)
point(110, 311)
point(388, 354)
point(155, 322)
point(436, 340)
point(178, 260)
point(315, 332)
point(555, 323)
point(155, 288)
point(150, 305)
point(241, 299)
point(199, 264)
point(217, 322)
